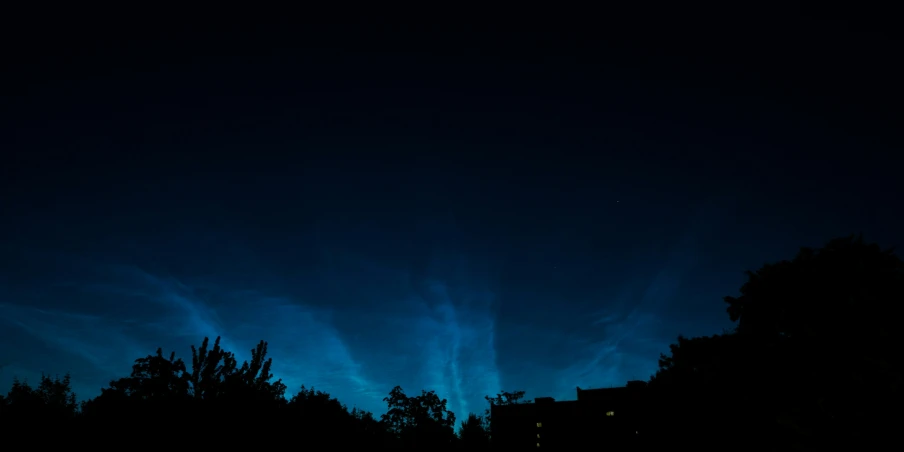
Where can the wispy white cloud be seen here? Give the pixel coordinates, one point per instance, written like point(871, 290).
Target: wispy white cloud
point(457, 357)
point(71, 342)
point(622, 340)
point(306, 347)
point(437, 331)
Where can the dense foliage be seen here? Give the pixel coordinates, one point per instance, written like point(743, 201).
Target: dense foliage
point(812, 360)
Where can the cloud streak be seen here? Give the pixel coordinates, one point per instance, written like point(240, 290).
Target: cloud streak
point(435, 335)
point(355, 329)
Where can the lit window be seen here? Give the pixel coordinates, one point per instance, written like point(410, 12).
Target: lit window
point(610, 413)
point(539, 424)
point(538, 444)
point(538, 436)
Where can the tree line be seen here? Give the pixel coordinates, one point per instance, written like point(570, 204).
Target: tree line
point(812, 361)
point(215, 401)
point(163, 392)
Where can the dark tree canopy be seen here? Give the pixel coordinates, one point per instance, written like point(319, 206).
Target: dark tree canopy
point(421, 421)
point(52, 400)
point(822, 294)
point(474, 433)
point(813, 355)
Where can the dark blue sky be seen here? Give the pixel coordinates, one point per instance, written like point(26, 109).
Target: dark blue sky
point(464, 211)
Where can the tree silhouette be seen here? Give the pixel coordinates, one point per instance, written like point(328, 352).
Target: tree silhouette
point(156, 392)
point(155, 377)
point(809, 296)
point(828, 306)
point(367, 431)
point(709, 384)
point(322, 418)
point(421, 421)
point(51, 401)
point(215, 374)
point(256, 374)
point(210, 369)
point(474, 433)
point(162, 402)
point(162, 392)
point(813, 356)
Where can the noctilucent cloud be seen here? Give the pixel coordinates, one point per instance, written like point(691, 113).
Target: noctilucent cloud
point(455, 223)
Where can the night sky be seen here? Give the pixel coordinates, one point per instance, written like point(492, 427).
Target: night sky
point(499, 206)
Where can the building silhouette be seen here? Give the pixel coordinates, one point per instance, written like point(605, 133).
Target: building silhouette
point(599, 417)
